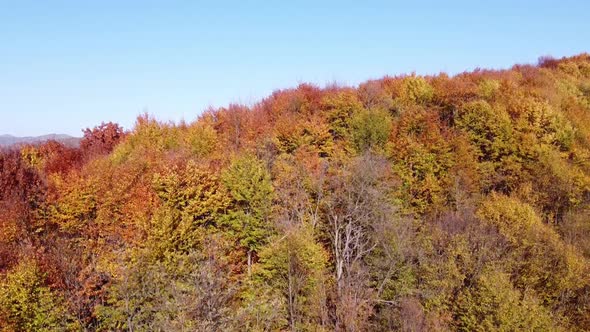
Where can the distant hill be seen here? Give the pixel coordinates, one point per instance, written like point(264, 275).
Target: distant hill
point(9, 140)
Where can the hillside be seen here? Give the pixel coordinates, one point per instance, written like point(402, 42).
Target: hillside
point(412, 203)
point(9, 140)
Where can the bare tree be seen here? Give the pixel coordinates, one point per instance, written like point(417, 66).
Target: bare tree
point(357, 206)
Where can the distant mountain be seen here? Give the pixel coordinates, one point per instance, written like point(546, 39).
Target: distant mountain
point(9, 140)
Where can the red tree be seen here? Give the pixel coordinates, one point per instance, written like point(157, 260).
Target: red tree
point(101, 139)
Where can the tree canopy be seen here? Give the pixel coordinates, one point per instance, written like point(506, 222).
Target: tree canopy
point(411, 203)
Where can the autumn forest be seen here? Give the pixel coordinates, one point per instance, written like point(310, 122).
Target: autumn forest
point(407, 203)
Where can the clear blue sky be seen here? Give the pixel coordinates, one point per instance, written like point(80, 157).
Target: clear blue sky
point(67, 65)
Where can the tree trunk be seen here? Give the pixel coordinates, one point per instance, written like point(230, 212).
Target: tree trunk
point(291, 295)
point(249, 262)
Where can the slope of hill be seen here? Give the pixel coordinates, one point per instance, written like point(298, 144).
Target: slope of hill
point(407, 203)
point(9, 140)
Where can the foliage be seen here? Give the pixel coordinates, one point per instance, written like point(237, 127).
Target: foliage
point(248, 182)
point(370, 129)
point(492, 304)
point(193, 200)
point(416, 89)
point(293, 268)
point(102, 139)
point(26, 304)
point(407, 203)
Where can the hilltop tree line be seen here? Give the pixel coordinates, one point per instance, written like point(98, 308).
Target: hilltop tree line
point(411, 203)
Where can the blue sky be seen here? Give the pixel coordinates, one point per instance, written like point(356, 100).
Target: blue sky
point(67, 65)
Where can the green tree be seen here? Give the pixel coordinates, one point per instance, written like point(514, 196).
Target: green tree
point(493, 304)
point(491, 132)
point(248, 182)
point(201, 138)
point(26, 304)
point(539, 259)
point(193, 294)
point(489, 129)
point(295, 266)
point(416, 90)
point(193, 201)
point(339, 109)
point(370, 129)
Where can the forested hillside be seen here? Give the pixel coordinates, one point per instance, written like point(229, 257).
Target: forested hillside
point(407, 203)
